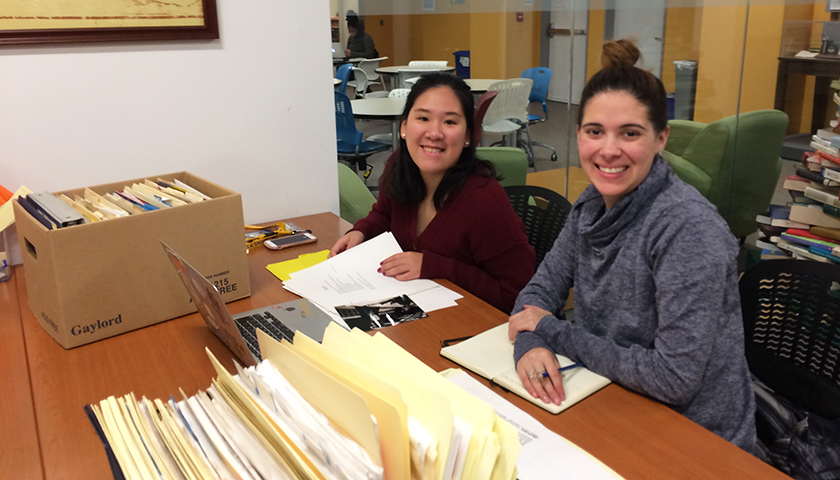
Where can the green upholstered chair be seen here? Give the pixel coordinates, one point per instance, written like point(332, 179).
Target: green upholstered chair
point(734, 162)
point(511, 163)
point(354, 198)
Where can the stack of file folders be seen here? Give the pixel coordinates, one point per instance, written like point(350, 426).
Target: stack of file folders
point(353, 407)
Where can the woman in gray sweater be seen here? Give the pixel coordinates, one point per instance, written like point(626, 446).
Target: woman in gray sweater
point(657, 308)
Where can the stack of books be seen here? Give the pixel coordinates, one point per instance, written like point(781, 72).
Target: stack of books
point(809, 226)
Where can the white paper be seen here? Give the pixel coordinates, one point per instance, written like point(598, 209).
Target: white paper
point(351, 278)
point(544, 453)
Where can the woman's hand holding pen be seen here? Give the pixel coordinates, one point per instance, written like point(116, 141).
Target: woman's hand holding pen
point(402, 266)
point(525, 321)
point(349, 240)
point(531, 368)
point(538, 361)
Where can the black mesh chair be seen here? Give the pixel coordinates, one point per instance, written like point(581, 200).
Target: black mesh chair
point(791, 312)
point(543, 212)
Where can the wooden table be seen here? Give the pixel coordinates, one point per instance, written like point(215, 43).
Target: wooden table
point(824, 69)
point(639, 438)
point(556, 180)
point(381, 108)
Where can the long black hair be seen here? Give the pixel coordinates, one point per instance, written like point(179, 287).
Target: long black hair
point(402, 181)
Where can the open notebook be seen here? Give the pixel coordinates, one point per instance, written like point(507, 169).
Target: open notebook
point(490, 354)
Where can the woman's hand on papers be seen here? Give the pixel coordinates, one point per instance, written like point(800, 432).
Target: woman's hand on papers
point(531, 367)
point(349, 240)
point(402, 266)
point(525, 321)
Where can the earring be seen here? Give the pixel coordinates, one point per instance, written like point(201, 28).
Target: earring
point(403, 135)
point(466, 144)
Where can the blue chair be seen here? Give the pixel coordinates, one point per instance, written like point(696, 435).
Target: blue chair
point(539, 92)
point(351, 147)
point(343, 74)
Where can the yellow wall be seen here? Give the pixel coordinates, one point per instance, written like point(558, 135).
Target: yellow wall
point(682, 40)
point(719, 62)
point(761, 57)
point(522, 46)
point(500, 47)
point(595, 39)
point(487, 45)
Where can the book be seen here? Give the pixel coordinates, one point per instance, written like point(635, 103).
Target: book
point(832, 209)
point(769, 230)
point(830, 174)
point(826, 133)
point(816, 177)
point(777, 255)
point(781, 222)
point(800, 251)
point(812, 215)
point(766, 245)
point(808, 242)
point(490, 354)
point(827, 198)
point(826, 232)
point(829, 255)
point(796, 183)
point(828, 159)
point(827, 149)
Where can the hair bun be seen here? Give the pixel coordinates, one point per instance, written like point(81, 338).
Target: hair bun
point(622, 52)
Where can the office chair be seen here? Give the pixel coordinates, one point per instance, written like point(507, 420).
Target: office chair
point(509, 112)
point(539, 93)
point(350, 145)
point(343, 74)
point(791, 311)
point(511, 163)
point(354, 198)
point(481, 108)
point(543, 211)
point(368, 68)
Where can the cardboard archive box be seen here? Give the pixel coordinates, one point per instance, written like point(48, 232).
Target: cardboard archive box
point(93, 281)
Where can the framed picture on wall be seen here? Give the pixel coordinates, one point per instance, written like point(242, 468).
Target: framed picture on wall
point(60, 21)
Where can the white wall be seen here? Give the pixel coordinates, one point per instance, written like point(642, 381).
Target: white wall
point(252, 111)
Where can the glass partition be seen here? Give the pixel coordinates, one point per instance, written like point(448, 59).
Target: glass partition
point(716, 59)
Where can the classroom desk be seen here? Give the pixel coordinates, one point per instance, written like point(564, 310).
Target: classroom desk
point(638, 438)
point(395, 73)
point(381, 108)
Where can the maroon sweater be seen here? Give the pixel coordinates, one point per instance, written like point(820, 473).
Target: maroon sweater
point(476, 241)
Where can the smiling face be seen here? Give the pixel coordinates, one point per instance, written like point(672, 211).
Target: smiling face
point(435, 132)
point(617, 144)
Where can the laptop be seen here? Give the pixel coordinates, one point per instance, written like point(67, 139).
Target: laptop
point(238, 332)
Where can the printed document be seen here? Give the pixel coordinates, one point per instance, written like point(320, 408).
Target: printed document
point(544, 453)
point(351, 278)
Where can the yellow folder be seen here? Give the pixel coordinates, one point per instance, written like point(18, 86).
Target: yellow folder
point(431, 408)
point(345, 409)
point(385, 402)
point(485, 445)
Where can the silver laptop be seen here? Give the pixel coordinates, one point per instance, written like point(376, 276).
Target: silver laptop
point(239, 332)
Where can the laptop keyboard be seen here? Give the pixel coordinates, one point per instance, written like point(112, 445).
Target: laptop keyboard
point(266, 322)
